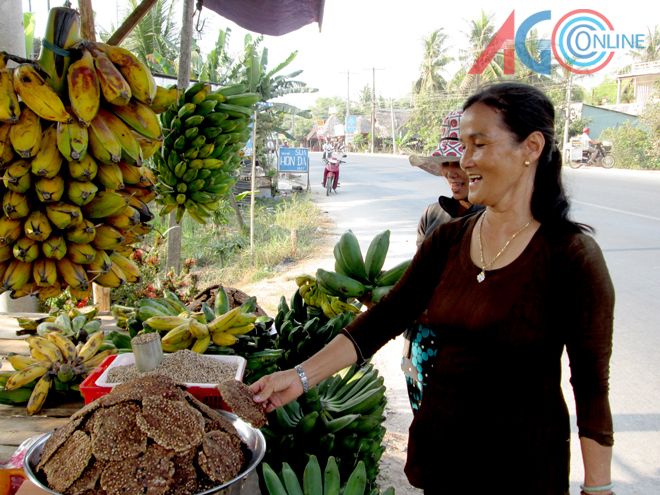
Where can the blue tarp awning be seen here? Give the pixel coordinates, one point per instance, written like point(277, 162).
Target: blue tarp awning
point(271, 17)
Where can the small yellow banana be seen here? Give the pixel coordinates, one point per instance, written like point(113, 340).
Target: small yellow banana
point(223, 322)
point(198, 330)
point(166, 322)
point(177, 335)
point(27, 375)
point(19, 361)
point(48, 349)
point(184, 344)
point(90, 348)
point(223, 338)
point(66, 347)
point(240, 330)
point(39, 395)
point(201, 344)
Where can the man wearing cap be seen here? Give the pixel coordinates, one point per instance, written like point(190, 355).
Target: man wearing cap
point(444, 161)
point(587, 143)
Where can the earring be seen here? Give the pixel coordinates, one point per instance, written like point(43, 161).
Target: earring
point(526, 164)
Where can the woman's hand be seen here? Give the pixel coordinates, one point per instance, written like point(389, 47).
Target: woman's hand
point(275, 390)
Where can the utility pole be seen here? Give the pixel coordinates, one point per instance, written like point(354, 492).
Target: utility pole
point(348, 90)
point(568, 109)
point(393, 127)
point(373, 107)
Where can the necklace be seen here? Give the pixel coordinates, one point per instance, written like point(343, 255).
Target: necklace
point(482, 274)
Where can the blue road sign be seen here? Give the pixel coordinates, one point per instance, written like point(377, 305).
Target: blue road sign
point(351, 123)
point(294, 160)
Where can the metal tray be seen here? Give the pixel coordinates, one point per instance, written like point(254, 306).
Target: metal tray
point(251, 436)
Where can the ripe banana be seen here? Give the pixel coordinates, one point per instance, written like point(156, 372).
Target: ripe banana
point(44, 272)
point(102, 141)
point(84, 89)
point(17, 275)
point(107, 237)
point(28, 374)
point(114, 87)
point(221, 323)
point(113, 278)
point(39, 394)
point(137, 75)
point(10, 229)
point(130, 149)
point(9, 107)
point(46, 348)
point(102, 264)
point(105, 204)
point(110, 176)
point(26, 250)
point(49, 190)
point(38, 95)
point(127, 266)
point(72, 273)
point(62, 214)
point(54, 247)
point(66, 347)
point(18, 361)
point(72, 140)
point(177, 335)
point(140, 118)
point(48, 161)
point(81, 193)
point(6, 149)
point(82, 254)
point(223, 338)
point(83, 170)
point(90, 348)
point(201, 344)
point(26, 134)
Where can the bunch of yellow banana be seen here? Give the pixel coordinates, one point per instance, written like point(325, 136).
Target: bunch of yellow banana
point(183, 331)
point(54, 357)
point(314, 297)
point(76, 193)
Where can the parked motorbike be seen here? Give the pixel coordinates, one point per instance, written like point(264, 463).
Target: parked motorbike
point(331, 174)
point(603, 156)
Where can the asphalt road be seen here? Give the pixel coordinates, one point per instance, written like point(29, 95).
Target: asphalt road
point(385, 192)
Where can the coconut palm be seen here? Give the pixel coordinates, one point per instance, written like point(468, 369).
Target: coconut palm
point(651, 50)
point(434, 62)
point(156, 37)
point(480, 32)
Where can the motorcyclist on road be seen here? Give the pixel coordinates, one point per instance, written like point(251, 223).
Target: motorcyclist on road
point(587, 143)
point(327, 149)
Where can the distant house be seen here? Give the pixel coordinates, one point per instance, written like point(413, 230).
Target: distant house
point(644, 75)
point(602, 117)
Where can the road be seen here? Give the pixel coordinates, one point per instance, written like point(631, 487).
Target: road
point(385, 192)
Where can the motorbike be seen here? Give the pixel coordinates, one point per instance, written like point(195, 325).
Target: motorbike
point(331, 174)
point(603, 156)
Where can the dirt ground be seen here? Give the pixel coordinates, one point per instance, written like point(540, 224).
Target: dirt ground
point(387, 361)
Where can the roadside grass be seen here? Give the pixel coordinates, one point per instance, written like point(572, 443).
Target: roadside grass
point(285, 229)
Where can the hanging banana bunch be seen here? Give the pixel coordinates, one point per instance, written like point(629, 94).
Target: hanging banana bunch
point(206, 131)
point(75, 129)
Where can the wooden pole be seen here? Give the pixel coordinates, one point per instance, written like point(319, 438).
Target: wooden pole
point(87, 29)
point(253, 182)
point(183, 80)
point(393, 127)
point(131, 21)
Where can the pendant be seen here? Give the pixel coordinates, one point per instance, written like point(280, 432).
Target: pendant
point(481, 277)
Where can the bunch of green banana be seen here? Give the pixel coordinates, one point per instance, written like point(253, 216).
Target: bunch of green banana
point(342, 417)
point(76, 324)
point(316, 482)
point(301, 334)
point(316, 299)
point(72, 150)
point(206, 132)
point(357, 277)
point(55, 361)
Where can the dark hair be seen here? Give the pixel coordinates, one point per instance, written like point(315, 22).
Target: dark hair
point(523, 110)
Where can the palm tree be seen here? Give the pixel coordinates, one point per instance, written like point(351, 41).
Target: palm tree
point(651, 52)
point(479, 34)
point(156, 37)
point(434, 62)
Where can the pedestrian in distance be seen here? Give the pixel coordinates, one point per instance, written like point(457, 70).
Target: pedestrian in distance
point(493, 418)
point(420, 339)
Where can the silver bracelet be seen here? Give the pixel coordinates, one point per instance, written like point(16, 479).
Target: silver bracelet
point(597, 488)
point(303, 378)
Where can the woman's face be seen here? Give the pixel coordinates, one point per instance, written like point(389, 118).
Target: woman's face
point(457, 178)
point(494, 160)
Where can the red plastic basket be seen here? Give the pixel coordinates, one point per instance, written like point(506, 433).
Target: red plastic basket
point(209, 396)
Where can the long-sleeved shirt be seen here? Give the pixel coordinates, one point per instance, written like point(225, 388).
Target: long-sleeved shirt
point(494, 411)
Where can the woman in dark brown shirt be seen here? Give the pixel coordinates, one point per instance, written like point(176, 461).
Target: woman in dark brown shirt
point(493, 419)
